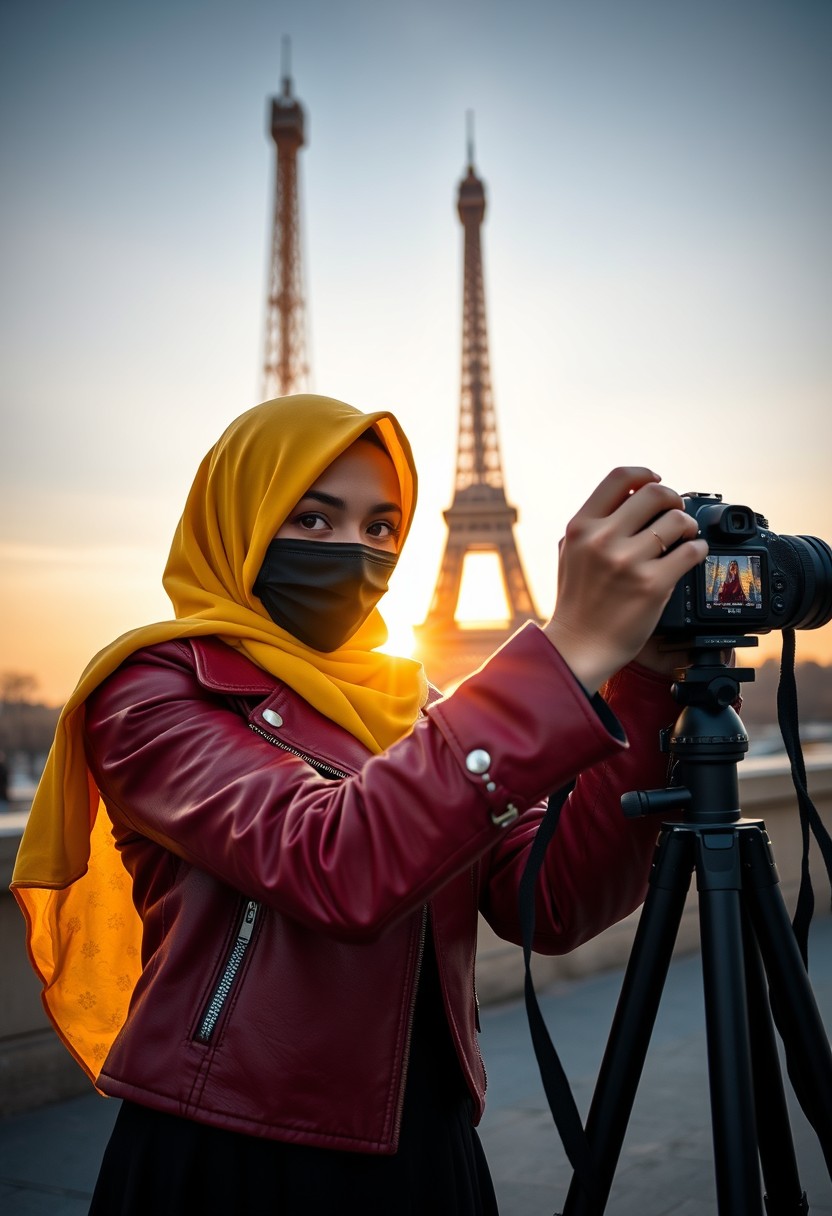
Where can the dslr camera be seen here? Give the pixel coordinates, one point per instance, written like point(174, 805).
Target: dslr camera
point(752, 580)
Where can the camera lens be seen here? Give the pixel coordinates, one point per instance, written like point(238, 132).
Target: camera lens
point(813, 606)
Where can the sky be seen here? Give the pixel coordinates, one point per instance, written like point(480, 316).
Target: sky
point(657, 250)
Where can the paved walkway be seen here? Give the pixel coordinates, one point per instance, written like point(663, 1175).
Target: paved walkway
point(49, 1157)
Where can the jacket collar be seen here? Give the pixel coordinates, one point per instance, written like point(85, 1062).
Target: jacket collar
point(281, 713)
point(223, 669)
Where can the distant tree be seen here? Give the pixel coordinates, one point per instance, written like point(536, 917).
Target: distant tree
point(17, 687)
point(26, 727)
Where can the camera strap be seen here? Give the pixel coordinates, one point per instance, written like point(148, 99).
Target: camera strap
point(555, 1083)
point(787, 718)
point(809, 821)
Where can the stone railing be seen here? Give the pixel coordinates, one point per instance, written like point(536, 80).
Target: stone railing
point(35, 1068)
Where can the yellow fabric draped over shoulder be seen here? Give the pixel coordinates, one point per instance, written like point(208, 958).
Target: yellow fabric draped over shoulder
point(84, 936)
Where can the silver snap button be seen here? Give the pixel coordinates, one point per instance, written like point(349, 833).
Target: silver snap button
point(272, 717)
point(478, 761)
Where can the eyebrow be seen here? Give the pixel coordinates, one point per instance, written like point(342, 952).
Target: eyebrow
point(332, 500)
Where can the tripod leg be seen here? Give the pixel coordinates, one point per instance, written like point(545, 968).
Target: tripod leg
point(726, 1015)
point(784, 1194)
point(635, 1015)
point(793, 1003)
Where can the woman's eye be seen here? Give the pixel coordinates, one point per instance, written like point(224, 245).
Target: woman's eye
point(383, 529)
point(311, 523)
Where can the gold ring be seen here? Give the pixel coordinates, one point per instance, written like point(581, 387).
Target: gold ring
point(659, 539)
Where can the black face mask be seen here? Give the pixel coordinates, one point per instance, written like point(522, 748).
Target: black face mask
point(321, 591)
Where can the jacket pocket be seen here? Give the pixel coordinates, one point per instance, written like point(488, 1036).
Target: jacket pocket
point(222, 989)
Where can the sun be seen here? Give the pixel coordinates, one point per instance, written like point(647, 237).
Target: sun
point(482, 600)
point(401, 639)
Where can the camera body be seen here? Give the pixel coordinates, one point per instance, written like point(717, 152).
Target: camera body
point(752, 580)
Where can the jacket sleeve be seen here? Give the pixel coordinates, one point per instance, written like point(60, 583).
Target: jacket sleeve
point(178, 766)
point(597, 865)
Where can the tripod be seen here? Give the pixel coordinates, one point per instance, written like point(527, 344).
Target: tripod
point(746, 938)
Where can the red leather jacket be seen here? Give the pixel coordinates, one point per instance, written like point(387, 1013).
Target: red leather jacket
point(285, 877)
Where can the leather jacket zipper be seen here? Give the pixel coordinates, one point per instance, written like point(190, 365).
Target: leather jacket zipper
point(215, 1006)
point(423, 932)
point(233, 963)
point(320, 765)
point(474, 986)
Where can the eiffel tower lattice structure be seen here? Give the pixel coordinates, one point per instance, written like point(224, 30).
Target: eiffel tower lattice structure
point(480, 518)
point(285, 367)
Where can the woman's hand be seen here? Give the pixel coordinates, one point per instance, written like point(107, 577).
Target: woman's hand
point(622, 555)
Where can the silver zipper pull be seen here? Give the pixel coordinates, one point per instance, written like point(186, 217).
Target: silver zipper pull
point(247, 926)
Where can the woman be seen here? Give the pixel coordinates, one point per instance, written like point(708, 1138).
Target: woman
point(264, 942)
point(731, 591)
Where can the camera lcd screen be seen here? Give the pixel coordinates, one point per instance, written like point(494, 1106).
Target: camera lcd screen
point(734, 585)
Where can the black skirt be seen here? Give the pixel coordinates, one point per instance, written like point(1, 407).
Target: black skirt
point(166, 1165)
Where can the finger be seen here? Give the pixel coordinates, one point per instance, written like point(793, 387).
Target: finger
point(616, 488)
point(684, 557)
point(646, 505)
point(667, 530)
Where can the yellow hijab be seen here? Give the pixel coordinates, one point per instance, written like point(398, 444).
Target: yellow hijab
point(84, 935)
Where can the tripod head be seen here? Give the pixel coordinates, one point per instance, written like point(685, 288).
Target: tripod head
point(706, 742)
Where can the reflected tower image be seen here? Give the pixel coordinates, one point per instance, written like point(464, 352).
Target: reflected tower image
point(285, 367)
point(480, 518)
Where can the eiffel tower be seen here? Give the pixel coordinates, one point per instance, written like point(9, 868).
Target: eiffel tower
point(285, 368)
point(480, 518)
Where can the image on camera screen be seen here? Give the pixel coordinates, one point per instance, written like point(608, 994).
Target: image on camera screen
point(733, 584)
